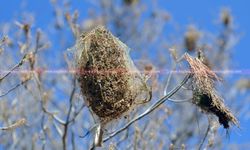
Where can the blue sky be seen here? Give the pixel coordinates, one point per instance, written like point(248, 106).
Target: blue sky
point(183, 12)
point(193, 11)
point(202, 13)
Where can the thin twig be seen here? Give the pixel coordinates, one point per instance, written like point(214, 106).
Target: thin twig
point(44, 132)
point(77, 113)
point(167, 84)
point(150, 109)
point(20, 63)
point(58, 129)
point(13, 88)
point(205, 136)
point(179, 101)
point(13, 68)
point(59, 120)
point(176, 61)
point(89, 131)
point(64, 137)
point(73, 141)
point(123, 138)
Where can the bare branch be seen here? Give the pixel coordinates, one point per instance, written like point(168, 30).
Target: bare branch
point(205, 136)
point(58, 129)
point(180, 101)
point(64, 136)
point(76, 114)
point(13, 88)
point(150, 109)
point(59, 120)
point(13, 68)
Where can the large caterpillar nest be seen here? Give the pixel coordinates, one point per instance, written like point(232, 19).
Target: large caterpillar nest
point(204, 94)
point(109, 80)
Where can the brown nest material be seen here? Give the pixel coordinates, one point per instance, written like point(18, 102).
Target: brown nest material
point(204, 94)
point(109, 80)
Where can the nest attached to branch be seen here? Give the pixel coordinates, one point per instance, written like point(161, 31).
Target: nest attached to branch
point(109, 80)
point(204, 94)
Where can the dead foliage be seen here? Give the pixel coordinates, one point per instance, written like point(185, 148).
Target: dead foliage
point(204, 93)
point(15, 125)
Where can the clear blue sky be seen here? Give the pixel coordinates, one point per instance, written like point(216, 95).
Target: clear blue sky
point(202, 13)
point(184, 12)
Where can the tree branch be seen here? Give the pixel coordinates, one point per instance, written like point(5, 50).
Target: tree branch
point(205, 136)
point(150, 109)
point(13, 68)
point(13, 88)
point(64, 137)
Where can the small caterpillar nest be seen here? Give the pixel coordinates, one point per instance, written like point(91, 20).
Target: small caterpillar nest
point(204, 94)
point(109, 80)
point(191, 38)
